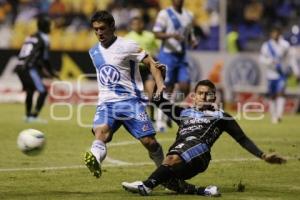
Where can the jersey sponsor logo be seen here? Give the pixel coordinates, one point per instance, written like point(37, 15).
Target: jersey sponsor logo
point(179, 146)
point(109, 75)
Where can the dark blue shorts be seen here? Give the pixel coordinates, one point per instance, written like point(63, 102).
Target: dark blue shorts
point(276, 86)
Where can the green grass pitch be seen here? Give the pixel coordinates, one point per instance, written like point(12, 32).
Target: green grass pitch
point(58, 172)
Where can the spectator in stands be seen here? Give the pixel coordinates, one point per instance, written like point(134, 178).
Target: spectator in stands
point(253, 12)
point(57, 9)
point(57, 12)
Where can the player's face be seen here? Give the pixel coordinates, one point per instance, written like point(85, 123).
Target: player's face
point(178, 3)
point(137, 25)
point(204, 95)
point(275, 34)
point(104, 32)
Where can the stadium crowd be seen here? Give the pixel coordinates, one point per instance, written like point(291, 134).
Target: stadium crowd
point(251, 18)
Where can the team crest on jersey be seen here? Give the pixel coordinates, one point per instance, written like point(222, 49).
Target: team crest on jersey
point(145, 127)
point(109, 75)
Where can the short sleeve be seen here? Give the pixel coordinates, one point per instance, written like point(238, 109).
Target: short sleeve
point(161, 22)
point(136, 52)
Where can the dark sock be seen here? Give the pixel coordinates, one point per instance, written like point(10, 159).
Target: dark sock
point(40, 102)
point(182, 187)
point(160, 175)
point(200, 190)
point(28, 102)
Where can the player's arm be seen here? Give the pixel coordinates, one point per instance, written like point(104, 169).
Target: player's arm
point(48, 69)
point(265, 57)
point(170, 109)
point(235, 131)
point(156, 70)
point(292, 57)
point(164, 36)
point(46, 65)
point(192, 38)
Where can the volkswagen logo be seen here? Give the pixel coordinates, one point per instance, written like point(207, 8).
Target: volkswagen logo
point(243, 72)
point(109, 75)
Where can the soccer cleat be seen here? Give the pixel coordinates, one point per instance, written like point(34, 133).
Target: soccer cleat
point(212, 191)
point(137, 187)
point(92, 163)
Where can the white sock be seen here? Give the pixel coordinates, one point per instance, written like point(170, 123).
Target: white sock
point(280, 102)
point(272, 110)
point(98, 149)
point(160, 121)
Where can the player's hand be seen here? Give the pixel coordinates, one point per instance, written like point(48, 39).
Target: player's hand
point(194, 44)
point(273, 158)
point(158, 92)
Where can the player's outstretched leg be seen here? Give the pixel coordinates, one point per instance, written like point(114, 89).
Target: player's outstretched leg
point(92, 163)
point(182, 187)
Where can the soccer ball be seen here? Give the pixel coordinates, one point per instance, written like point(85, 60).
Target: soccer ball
point(31, 141)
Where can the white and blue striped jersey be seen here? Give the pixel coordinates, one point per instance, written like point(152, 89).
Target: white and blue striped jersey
point(277, 56)
point(117, 70)
point(170, 21)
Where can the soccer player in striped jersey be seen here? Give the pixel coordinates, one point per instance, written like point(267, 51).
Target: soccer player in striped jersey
point(279, 59)
point(174, 27)
point(121, 99)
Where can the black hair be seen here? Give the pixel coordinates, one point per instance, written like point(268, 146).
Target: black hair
point(43, 23)
point(207, 83)
point(137, 18)
point(103, 16)
point(276, 27)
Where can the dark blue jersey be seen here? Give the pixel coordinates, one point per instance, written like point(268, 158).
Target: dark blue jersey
point(206, 125)
point(35, 54)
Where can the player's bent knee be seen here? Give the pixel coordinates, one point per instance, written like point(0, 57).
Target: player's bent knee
point(103, 133)
point(150, 143)
point(172, 160)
